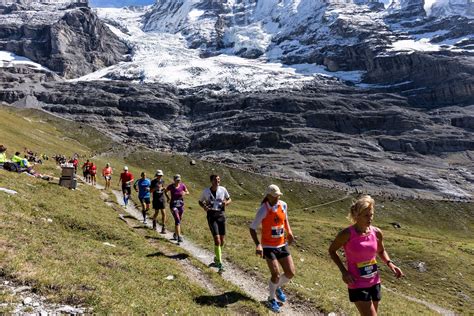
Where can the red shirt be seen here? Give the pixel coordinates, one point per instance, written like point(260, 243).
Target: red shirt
point(93, 169)
point(126, 176)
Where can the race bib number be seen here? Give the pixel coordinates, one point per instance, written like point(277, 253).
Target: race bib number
point(178, 203)
point(278, 231)
point(367, 269)
point(217, 205)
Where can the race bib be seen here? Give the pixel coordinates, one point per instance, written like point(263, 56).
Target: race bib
point(278, 231)
point(178, 203)
point(217, 205)
point(367, 269)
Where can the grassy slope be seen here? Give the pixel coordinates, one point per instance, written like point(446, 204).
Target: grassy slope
point(66, 259)
point(439, 234)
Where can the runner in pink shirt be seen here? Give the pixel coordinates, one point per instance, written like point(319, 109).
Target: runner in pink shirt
point(362, 243)
point(177, 191)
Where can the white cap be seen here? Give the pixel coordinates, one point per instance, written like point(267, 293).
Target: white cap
point(125, 168)
point(177, 177)
point(159, 172)
point(273, 190)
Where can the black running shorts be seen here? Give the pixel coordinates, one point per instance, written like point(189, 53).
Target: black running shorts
point(216, 221)
point(126, 189)
point(276, 253)
point(373, 293)
point(145, 200)
point(159, 203)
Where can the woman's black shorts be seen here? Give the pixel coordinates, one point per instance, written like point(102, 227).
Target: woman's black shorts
point(373, 293)
point(159, 203)
point(276, 253)
point(216, 221)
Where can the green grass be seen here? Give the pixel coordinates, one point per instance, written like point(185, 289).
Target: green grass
point(67, 259)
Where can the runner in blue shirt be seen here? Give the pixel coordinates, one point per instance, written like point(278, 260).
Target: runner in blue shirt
point(142, 186)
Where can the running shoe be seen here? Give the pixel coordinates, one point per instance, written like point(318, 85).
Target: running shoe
point(180, 239)
point(273, 305)
point(145, 221)
point(214, 263)
point(174, 236)
point(163, 230)
point(220, 267)
point(280, 295)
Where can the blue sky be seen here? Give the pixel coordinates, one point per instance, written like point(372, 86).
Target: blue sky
point(119, 3)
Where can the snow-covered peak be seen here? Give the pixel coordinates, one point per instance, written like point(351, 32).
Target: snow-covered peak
point(452, 7)
point(248, 45)
point(407, 8)
point(119, 3)
point(8, 59)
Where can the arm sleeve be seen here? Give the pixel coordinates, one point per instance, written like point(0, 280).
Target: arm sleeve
point(285, 208)
point(262, 212)
point(203, 196)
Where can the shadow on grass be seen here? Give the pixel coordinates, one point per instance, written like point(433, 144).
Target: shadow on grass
point(140, 227)
point(221, 300)
point(153, 237)
point(179, 256)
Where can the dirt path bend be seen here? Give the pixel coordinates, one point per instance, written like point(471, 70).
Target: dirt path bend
point(249, 284)
point(433, 307)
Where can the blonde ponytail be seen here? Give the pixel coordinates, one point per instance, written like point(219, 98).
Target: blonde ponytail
point(361, 204)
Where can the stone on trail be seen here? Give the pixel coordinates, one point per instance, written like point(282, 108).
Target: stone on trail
point(8, 191)
point(27, 301)
point(396, 225)
point(170, 277)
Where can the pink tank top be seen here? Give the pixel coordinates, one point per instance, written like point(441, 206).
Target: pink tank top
point(361, 254)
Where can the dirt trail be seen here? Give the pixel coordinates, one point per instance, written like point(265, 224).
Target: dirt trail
point(249, 284)
point(434, 307)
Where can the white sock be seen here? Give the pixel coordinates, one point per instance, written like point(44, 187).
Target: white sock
point(272, 288)
point(283, 280)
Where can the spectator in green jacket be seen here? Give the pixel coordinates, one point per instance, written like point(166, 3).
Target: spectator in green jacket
point(3, 155)
point(22, 162)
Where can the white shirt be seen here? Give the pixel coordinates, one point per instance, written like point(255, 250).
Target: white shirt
point(262, 213)
point(215, 201)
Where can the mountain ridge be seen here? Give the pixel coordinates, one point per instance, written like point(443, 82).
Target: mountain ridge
point(392, 109)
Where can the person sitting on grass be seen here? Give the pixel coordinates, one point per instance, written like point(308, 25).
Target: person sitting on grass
point(22, 163)
point(362, 242)
point(3, 155)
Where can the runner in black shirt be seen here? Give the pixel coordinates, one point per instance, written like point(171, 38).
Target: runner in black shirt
point(157, 189)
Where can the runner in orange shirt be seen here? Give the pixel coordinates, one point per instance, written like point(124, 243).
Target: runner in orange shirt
point(273, 217)
point(107, 174)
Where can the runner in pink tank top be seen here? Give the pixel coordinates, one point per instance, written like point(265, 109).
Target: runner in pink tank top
point(362, 243)
point(361, 252)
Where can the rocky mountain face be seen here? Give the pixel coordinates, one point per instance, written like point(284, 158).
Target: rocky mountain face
point(70, 41)
point(326, 131)
point(343, 37)
point(357, 94)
